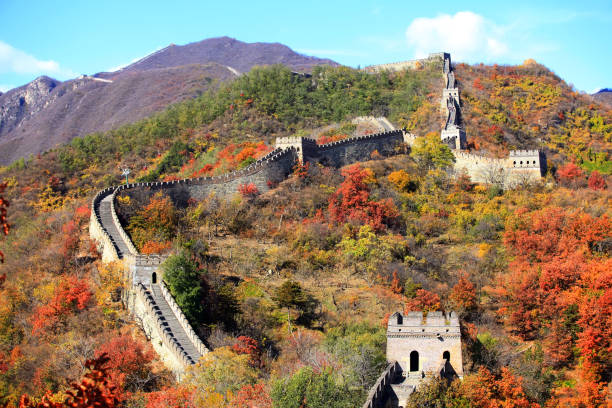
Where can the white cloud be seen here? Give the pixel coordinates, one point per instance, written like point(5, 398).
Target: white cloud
point(466, 35)
point(16, 61)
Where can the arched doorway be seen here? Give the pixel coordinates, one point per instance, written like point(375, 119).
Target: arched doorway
point(446, 355)
point(414, 361)
point(154, 277)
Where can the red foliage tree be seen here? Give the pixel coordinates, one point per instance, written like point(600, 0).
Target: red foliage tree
point(352, 202)
point(249, 346)
point(72, 295)
point(94, 391)
point(558, 287)
point(248, 190)
point(129, 361)
point(570, 175)
point(596, 181)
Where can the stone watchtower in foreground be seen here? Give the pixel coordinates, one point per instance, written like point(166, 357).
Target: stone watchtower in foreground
point(424, 345)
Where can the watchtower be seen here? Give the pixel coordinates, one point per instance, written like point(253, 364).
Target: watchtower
point(304, 147)
point(425, 345)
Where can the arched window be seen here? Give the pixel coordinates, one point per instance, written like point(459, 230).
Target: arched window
point(400, 319)
point(414, 361)
point(154, 277)
point(446, 355)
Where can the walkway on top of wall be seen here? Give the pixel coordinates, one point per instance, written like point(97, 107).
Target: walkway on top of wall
point(168, 315)
point(106, 219)
point(173, 324)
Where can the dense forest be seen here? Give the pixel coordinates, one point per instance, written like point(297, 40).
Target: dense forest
point(291, 288)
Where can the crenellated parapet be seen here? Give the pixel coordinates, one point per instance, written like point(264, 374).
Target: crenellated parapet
point(155, 325)
point(381, 388)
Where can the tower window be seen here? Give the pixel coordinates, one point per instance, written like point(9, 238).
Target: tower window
point(154, 277)
point(414, 360)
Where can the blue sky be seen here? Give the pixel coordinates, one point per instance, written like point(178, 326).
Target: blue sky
point(64, 39)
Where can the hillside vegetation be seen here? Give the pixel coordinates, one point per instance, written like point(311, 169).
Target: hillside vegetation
point(291, 288)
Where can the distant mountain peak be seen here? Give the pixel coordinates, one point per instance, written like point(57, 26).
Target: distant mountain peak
point(227, 51)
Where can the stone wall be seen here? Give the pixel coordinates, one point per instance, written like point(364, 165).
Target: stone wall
point(362, 148)
point(264, 174)
point(379, 392)
point(521, 166)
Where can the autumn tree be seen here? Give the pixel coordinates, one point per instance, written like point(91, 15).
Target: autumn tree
point(429, 152)
point(154, 224)
point(351, 201)
point(94, 391)
point(463, 296)
point(129, 365)
point(570, 175)
point(252, 396)
point(596, 181)
point(424, 300)
point(71, 296)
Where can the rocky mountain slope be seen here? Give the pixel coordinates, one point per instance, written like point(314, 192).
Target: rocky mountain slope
point(47, 112)
point(604, 96)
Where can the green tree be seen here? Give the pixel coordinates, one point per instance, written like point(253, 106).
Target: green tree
point(359, 348)
point(184, 282)
point(309, 389)
point(291, 295)
point(429, 152)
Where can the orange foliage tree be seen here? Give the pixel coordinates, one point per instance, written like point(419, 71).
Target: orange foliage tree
point(351, 201)
point(424, 300)
point(463, 295)
point(484, 390)
point(557, 288)
point(72, 295)
point(252, 396)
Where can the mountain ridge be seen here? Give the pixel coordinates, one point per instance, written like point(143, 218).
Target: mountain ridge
point(45, 112)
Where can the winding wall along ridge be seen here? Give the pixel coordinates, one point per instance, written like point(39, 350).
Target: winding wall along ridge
point(265, 173)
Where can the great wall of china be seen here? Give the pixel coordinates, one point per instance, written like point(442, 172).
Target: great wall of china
point(147, 297)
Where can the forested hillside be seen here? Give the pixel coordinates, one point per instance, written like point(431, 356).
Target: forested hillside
point(291, 289)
